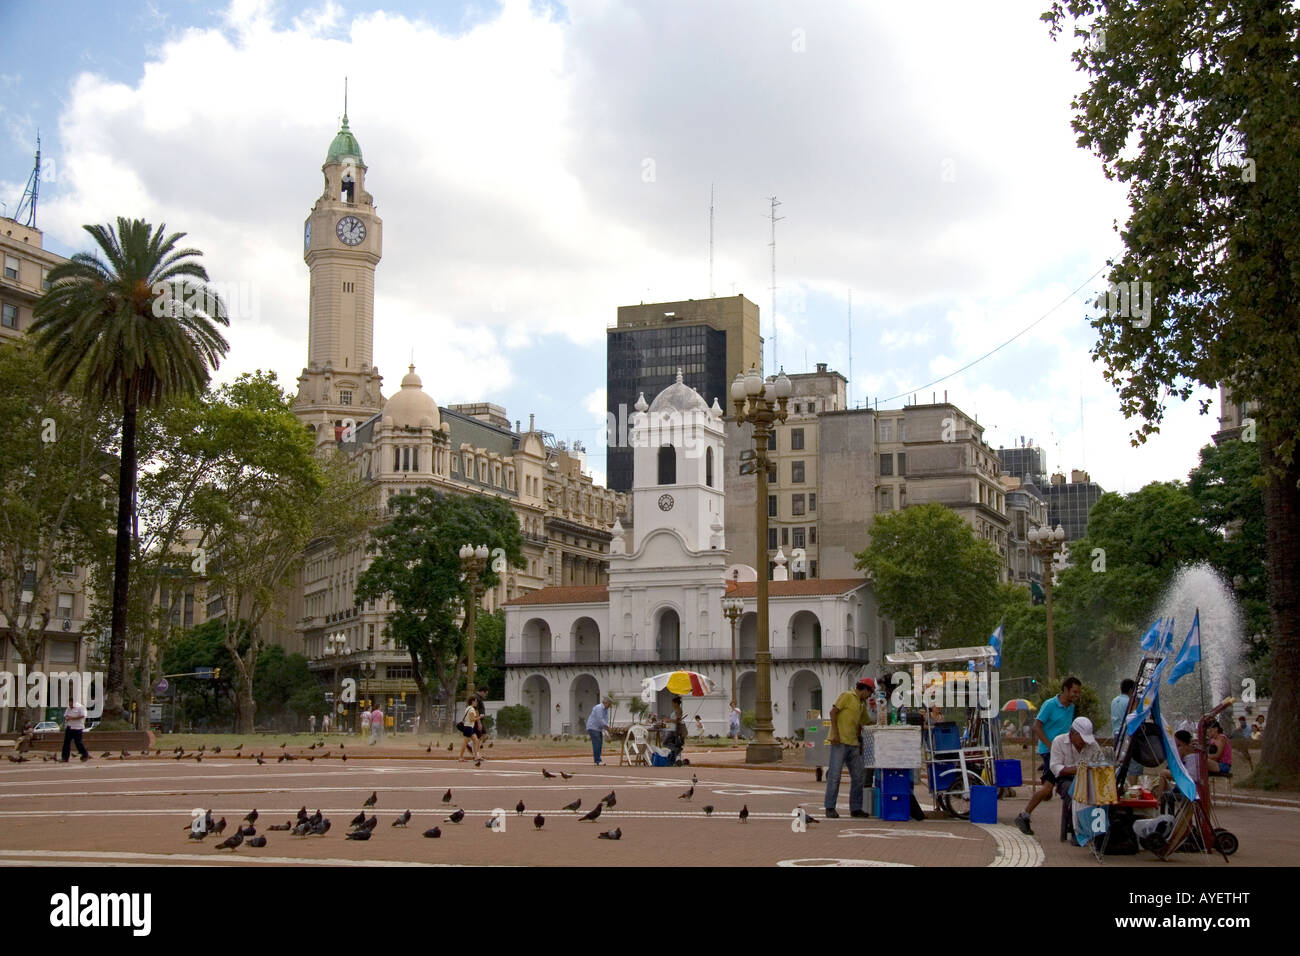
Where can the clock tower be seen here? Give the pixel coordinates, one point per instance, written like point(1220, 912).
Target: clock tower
point(342, 244)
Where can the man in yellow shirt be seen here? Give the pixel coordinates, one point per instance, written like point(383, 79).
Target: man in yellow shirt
point(846, 720)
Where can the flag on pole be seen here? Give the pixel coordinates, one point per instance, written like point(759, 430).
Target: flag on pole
point(1148, 701)
point(1167, 645)
point(1151, 639)
point(1190, 652)
point(1182, 779)
point(995, 641)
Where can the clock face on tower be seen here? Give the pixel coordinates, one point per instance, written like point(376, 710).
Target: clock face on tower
point(351, 230)
point(665, 502)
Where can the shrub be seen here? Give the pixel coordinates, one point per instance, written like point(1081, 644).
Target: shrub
point(516, 721)
point(747, 719)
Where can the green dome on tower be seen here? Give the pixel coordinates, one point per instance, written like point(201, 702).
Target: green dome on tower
point(345, 146)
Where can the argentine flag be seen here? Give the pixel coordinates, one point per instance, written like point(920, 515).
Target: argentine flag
point(1167, 645)
point(1182, 779)
point(1148, 701)
point(1190, 652)
point(995, 641)
point(1151, 639)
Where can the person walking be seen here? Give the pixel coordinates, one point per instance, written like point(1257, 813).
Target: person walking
point(1119, 705)
point(597, 724)
point(311, 723)
point(365, 721)
point(480, 731)
point(733, 723)
point(376, 725)
point(1054, 719)
point(846, 723)
point(466, 726)
point(74, 725)
point(325, 724)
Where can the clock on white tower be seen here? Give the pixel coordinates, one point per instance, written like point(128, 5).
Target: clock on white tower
point(351, 230)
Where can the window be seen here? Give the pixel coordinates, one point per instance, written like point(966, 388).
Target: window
point(796, 439)
point(785, 536)
point(11, 267)
point(812, 535)
point(65, 607)
point(796, 504)
point(812, 502)
point(345, 396)
point(415, 459)
point(667, 465)
point(886, 431)
point(798, 408)
point(189, 609)
point(812, 569)
point(798, 538)
point(400, 672)
point(771, 474)
point(771, 539)
point(349, 287)
point(708, 467)
point(45, 280)
point(902, 430)
point(772, 441)
point(796, 472)
point(886, 499)
point(10, 316)
point(886, 464)
point(902, 463)
point(397, 459)
point(771, 506)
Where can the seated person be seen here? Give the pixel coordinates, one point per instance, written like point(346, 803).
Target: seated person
point(1076, 746)
point(1219, 753)
point(1242, 732)
point(1187, 756)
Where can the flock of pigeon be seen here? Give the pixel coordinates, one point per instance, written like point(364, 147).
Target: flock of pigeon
point(362, 827)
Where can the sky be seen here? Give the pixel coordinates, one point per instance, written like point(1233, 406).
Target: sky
point(537, 165)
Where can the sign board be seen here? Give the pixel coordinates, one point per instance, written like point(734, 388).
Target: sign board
point(155, 713)
point(904, 644)
point(161, 686)
point(203, 673)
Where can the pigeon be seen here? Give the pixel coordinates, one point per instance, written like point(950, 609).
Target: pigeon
point(608, 800)
point(429, 749)
point(258, 841)
point(694, 780)
point(614, 834)
point(456, 817)
point(231, 842)
point(708, 810)
point(358, 820)
point(315, 818)
point(744, 813)
point(216, 749)
point(489, 745)
point(178, 757)
point(547, 774)
point(592, 814)
point(280, 759)
point(490, 824)
point(345, 758)
point(239, 748)
point(539, 821)
point(17, 759)
point(252, 816)
point(446, 797)
point(220, 827)
point(433, 832)
point(248, 831)
point(321, 828)
point(688, 794)
point(281, 826)
point(403, 820)
point(574, 805)
point(312, 747)
point(311, 759)
point(340, 746)
point(519, 808)
point(260, 761)
point(372, 799)
point(202, 747)
point(359, 835)
point(198, 758)
point(198, 834)
point(302, 813)
point(124, 754)
point(302, 829)
point(105, 755)
point(208, 822)
point(282, 746)
point(478, 762)
point(808, 818)
point(450, 748)
point(566, 776)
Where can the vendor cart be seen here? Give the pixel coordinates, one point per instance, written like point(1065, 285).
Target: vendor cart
point(960, 739)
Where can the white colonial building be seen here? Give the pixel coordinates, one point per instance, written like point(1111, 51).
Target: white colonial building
point(662, 608)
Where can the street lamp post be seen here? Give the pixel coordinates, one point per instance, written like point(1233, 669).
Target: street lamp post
point(335, 647)
point(1047, 543)
point(472, 561)
point(762, 405)
point(733, 608)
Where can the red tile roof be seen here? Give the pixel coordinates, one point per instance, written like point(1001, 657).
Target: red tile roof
point(581, 594)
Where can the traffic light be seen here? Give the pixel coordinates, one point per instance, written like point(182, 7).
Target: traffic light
point(216, 673)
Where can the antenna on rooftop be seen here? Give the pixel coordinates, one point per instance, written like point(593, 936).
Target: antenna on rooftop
point(28, 203)
point(775, 219)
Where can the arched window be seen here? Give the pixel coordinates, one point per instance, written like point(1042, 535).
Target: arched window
point(397, 459)
point(667, 465)
point(708, 467)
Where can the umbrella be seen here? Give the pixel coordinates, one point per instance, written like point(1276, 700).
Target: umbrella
point(1019, 704)
point(689, 683)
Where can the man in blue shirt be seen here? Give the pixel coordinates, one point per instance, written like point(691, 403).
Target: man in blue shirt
point(1119, 706)
point(1054, 718)
point(597, 722)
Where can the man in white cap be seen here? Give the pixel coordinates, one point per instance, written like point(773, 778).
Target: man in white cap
point(1076, 746)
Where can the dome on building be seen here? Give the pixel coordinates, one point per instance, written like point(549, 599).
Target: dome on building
point(345, 147)
point(411, 406)
point(679, 397)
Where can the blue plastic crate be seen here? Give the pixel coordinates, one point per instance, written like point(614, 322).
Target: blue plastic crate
point(983, 804)
point(946, 736)
point(895, 781)
point(1007, 773)
point(941, 775)
point(895, 806)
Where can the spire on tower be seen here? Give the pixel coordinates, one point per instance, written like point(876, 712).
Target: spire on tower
point(345, 102)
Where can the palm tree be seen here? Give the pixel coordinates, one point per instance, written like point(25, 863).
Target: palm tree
point(136, 328)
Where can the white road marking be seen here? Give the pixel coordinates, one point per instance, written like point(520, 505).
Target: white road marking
point(238, 858)
point(818, 861)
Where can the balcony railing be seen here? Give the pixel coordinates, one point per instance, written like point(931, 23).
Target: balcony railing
point(686, 655)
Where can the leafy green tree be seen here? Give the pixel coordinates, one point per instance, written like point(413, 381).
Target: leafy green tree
point(134, 328)
point(1194, 106)
point(515, 721)
point(490, 653)
point(206, 703)
point(1227, 487)
point(416, 565)
point(931, 573)
point(285, 687)
point(52, 491)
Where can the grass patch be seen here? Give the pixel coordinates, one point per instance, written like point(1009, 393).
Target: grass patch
point(1265, 778)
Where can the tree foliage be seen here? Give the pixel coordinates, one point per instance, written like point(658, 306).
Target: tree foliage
point(417, 566)
point(930, 572)
point(1194, 106)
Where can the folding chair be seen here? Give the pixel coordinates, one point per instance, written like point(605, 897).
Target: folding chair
point(1221, 781)
point(636, 747)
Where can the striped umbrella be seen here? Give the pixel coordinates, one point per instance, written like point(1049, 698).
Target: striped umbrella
point(685, 683)
point(1018, 704)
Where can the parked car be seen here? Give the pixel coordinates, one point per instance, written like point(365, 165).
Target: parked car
point(45, 725)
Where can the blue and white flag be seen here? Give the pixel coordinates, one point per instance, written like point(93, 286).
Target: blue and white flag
point(1190, 652)
point(1148, 701)
point(995, 641)
point(1182, 779)
point(1151, 639)
point(1166, 646)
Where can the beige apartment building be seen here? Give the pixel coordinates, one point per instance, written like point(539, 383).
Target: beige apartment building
point(25, 278)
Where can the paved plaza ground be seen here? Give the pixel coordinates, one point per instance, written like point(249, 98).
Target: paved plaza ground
point(136, 810)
